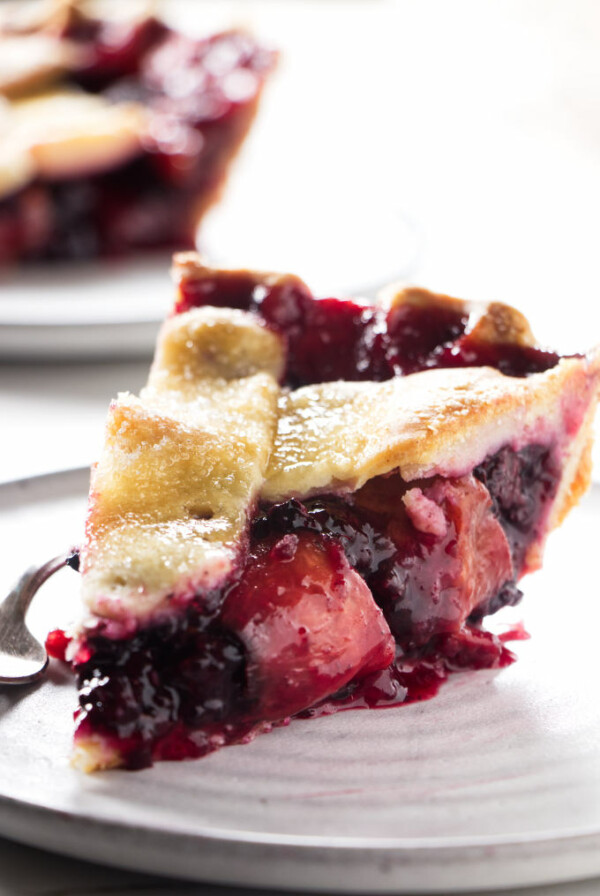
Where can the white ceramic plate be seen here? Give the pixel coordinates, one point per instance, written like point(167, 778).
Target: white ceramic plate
point(84, 310)
point(495, 782)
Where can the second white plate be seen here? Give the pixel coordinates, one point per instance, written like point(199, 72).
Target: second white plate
point(84, 310)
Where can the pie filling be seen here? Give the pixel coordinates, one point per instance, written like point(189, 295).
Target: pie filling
point(344, 339)
point(198, 99)
point(369, 599)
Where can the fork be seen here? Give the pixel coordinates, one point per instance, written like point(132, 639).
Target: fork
point(23, 659)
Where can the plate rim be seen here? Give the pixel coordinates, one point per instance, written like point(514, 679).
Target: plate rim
point(250, 861)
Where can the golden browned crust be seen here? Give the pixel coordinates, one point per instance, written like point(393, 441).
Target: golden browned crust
point(498, 323)
point(33, 54)
point(62, 133)
point(182, 466)
point(340, 435)
point(18, 17)
point(53, 16)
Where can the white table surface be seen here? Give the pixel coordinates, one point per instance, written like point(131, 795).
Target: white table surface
point(484, 127)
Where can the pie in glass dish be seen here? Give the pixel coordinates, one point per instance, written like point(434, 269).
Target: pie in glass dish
point(116, 133)
point(313, 505)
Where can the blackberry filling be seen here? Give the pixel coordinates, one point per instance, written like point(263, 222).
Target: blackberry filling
point(415, 560)
point(437, 555)
point(166, 693)
point(521, 484)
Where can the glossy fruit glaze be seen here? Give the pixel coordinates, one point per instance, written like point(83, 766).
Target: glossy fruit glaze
point(330, 339)
point(368, 600)
point(201, 95)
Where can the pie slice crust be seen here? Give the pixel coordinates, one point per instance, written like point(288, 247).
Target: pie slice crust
point(266, 540)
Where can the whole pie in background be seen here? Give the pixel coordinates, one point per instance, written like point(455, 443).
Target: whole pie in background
point(116, 134)
point(313, 505)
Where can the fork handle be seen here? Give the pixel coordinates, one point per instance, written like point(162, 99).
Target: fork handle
point(33, 578)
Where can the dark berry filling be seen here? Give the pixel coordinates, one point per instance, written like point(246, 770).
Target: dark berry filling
point(411, 680)
point(168, 692)
point(521, 485)
point(305, 628)
point(428, 583)
point(201, 96)
point(330, 339)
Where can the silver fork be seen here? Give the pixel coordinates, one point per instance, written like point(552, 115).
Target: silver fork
point(22, 658)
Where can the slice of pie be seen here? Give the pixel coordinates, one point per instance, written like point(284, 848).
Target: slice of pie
point(116, 134)
point(312, 505)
